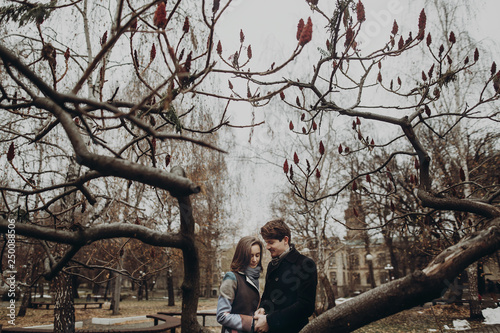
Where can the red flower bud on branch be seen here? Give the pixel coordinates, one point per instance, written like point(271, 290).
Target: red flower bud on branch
point(290, 126)
point(422, 20)
point(401, 43)
point(249, 52)
point(360, 12)
point(318, 174)
point(306, 34)
point(215, 6)
point(152, 54)
point(242, 37)
point(349, 37)
point(321, 148)
point(104, 38)
point(453, 40)
point(462, 174)
point(133, 25)
point(11, 153)
point(429, 39)
point(395, 28)
point(295, 158)
point(285, 166)
point(427, 110)
point(219, 48)
point(160, 17)
point(300, 27)
point(476, 55)
point(417, 164)
point(185, 27)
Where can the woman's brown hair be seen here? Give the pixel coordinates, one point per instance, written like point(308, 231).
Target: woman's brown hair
point(243, 253)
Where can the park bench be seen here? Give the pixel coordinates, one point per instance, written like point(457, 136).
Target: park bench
point(47, 305)
point(199, 313)
point(169, 324)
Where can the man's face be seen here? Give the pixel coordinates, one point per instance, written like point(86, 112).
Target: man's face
point(276, 247)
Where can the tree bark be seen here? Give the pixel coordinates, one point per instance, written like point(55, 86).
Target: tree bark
point(330, 295)
point(170, 288)
point(64, 309)
point(26, 300)
point(474, 301)
point(191, 284)
point(116, 294)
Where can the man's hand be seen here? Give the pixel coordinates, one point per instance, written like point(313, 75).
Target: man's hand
point(261, 323)
point(260, 311)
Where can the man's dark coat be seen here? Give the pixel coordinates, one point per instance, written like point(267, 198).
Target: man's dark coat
point(290, 293)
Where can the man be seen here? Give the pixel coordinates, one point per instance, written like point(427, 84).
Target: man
point(290, 292)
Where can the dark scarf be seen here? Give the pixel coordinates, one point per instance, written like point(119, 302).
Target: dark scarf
point(277, 260)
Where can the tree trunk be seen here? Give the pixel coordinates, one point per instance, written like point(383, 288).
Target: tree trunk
point(330, 296)
point(170, 288)
point(474, 301)
point(75, 281)
point(64, 308)
point(25, 303)
point(191, 284)
point(116, 294)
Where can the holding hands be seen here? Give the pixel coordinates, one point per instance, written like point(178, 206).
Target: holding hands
point(260, 321)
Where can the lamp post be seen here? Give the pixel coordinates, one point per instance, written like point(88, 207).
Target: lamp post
point(389, 269)
point(369, 261)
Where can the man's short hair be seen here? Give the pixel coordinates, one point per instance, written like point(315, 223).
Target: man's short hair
point(276, 229)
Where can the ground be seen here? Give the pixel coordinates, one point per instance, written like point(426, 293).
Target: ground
point(425, 319)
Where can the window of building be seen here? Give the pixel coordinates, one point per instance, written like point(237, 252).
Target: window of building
point(356, 278)
point(354, 260)
point(333, 277)
point(332, 261)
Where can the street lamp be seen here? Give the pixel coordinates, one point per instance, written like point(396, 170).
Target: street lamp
point(369, 262)
point(389, 269)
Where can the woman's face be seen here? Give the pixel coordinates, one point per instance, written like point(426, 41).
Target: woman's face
point(254, 255)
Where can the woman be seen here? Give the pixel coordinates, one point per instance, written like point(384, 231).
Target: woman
point(239, 291)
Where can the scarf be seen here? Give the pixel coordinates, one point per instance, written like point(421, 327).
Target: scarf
point(253, 274)
point(277, 260)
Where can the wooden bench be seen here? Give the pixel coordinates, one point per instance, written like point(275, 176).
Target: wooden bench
point(47, 305)
point(199, 313)
point(169, 324)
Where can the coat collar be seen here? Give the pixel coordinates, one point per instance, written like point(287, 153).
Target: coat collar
point(248, 280)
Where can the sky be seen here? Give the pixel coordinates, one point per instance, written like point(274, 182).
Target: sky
point(270, 27)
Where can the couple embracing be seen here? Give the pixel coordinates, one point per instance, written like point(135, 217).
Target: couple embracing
point(290, 292)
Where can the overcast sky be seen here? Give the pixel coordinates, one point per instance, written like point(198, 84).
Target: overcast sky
point(270, 27)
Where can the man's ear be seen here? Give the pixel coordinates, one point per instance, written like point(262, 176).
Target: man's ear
point(286, 239)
